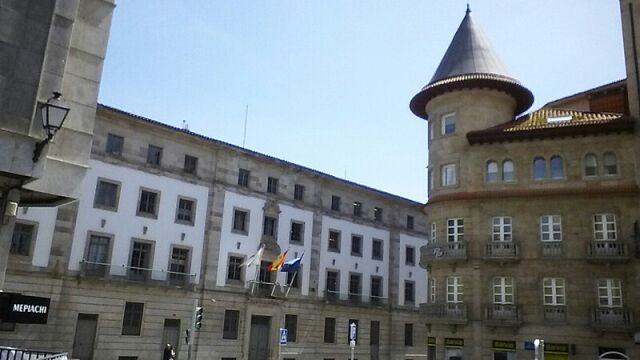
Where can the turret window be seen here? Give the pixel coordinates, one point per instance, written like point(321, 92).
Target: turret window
point(557, 168)
point(448, 124)
point(539, 168)
point(492, 172)
point(449, 176)
point(610, 164)
point(507, 171)
point(590, 165)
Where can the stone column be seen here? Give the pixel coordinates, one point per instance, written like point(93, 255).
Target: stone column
point(7, 222)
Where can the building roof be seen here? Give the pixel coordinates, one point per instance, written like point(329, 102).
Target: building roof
point(612, 85)
point(255, 153)
point(548, 122)
point(470, 62)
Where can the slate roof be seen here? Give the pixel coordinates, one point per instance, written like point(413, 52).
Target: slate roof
point(470, 62)
point(548, 122)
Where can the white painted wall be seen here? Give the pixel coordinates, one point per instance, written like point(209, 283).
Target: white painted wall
point(45, 221)
point(125, 224)
point(236, 244)
point(413, 273)
point(346, 263)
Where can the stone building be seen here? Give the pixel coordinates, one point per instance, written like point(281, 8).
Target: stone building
point(533, 218)
point(165, 219)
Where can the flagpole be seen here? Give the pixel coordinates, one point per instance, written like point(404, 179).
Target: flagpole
point(292, 280)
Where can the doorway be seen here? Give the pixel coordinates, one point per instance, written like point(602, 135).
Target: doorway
point(171, 335)
point(84, 339)
point(259, 342)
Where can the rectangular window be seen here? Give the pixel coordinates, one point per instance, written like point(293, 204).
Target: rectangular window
point(356, 245)
point(234, 271)
point(432, 291)
point(553, 290)
point(448, 124)
point(23, 235)
point(408, 334)
point(335, 203)
point(272, 185)
point(269, 226)
point(140, 260)
point(148, 203)
point(230, 325)
point(291, 324)
point(375, 333)
point(333, 283)
point(114, 145)
point(455, 230)
point(132, 319)
point(298, 192)
point(297, 232)
point(190, 164)
point(376, 249)
point(501, 228)
point(409, 292)
point(410, 222)
point(357, 209)
point(154, 155)
point(355, 286)
point(376, 289)
point(240, 221)
point(98, 253)
point(455, 289)
point(334, 241)
point(550, 228)
point(243, 177)
point(410, 256)
point(449, 176)
point(329, 330)
point(186, 211)
point(433, 233)
point(293, 278)
point(107, 193)
point(179, 266)
point(503, 290)
point(265, 276)
point(604, 227)
point(377, 214)
point(609, 293)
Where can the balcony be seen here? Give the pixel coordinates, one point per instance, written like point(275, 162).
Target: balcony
point(136, 274)
point(25, 354)
point(443, 252)
point(445, 313)
point(354, 299)
point(551, 249)
point(503, 315)
point(501, 250)
point(555, 313)
point(612, 319)
point(266, 289)
point(607, 251)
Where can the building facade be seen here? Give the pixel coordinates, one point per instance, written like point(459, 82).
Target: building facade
point(533, 219)
point(165, 222)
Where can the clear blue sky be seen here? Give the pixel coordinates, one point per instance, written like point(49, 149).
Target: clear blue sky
point(328, 82)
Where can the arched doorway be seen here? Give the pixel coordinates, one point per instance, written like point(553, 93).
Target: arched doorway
point(613, 355)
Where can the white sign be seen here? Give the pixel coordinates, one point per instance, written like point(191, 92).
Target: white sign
point(352, 331)
point(352, 344)
point(284, 334)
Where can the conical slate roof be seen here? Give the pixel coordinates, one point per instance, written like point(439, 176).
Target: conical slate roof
point(470, 62)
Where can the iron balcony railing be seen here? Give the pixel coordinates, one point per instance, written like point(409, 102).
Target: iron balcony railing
point(612, 318)
point(551, 248)
point(444, 251)
point(8, 353)
point(449, 312)
point(354, 298)
point(607, 250)
point(506, 313)
point(555, 313)
point(136, 274)
point(501, 250)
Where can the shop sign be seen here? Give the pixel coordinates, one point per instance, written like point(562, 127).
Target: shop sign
point(504, 345)
point(556, 348)
point(453, 342)
point(431, 341)
point(25, 309)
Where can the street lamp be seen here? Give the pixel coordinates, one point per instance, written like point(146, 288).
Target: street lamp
point(539, 349)
point(53, 112)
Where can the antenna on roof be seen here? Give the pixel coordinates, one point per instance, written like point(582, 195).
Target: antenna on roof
point(185, 126)
point(246, 115)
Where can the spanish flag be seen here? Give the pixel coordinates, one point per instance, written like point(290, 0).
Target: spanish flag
point(277, 263)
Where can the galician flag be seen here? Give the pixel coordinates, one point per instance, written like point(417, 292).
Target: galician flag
point(277, 263)
point(292, 265)
point(256, 258)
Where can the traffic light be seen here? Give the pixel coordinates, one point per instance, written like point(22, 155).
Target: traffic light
point(198, 318)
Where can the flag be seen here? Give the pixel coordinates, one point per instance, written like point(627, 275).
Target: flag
point(277, 263)
point(292, 265)
point(256, 258)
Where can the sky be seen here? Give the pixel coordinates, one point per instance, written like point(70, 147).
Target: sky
point(328, 83)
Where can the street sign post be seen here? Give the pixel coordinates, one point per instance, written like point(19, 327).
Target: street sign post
point(353, 330)
point(284, 335)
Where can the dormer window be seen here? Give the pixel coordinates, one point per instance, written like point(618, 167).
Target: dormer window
point(448, 124)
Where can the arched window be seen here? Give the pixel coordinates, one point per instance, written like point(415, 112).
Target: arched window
point(590, 165)
point(610, 163)
point(492, 171)
point(507, 171)
point(557, 170)
point(539, 168)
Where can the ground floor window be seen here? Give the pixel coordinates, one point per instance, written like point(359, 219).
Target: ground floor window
point(504, 355)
